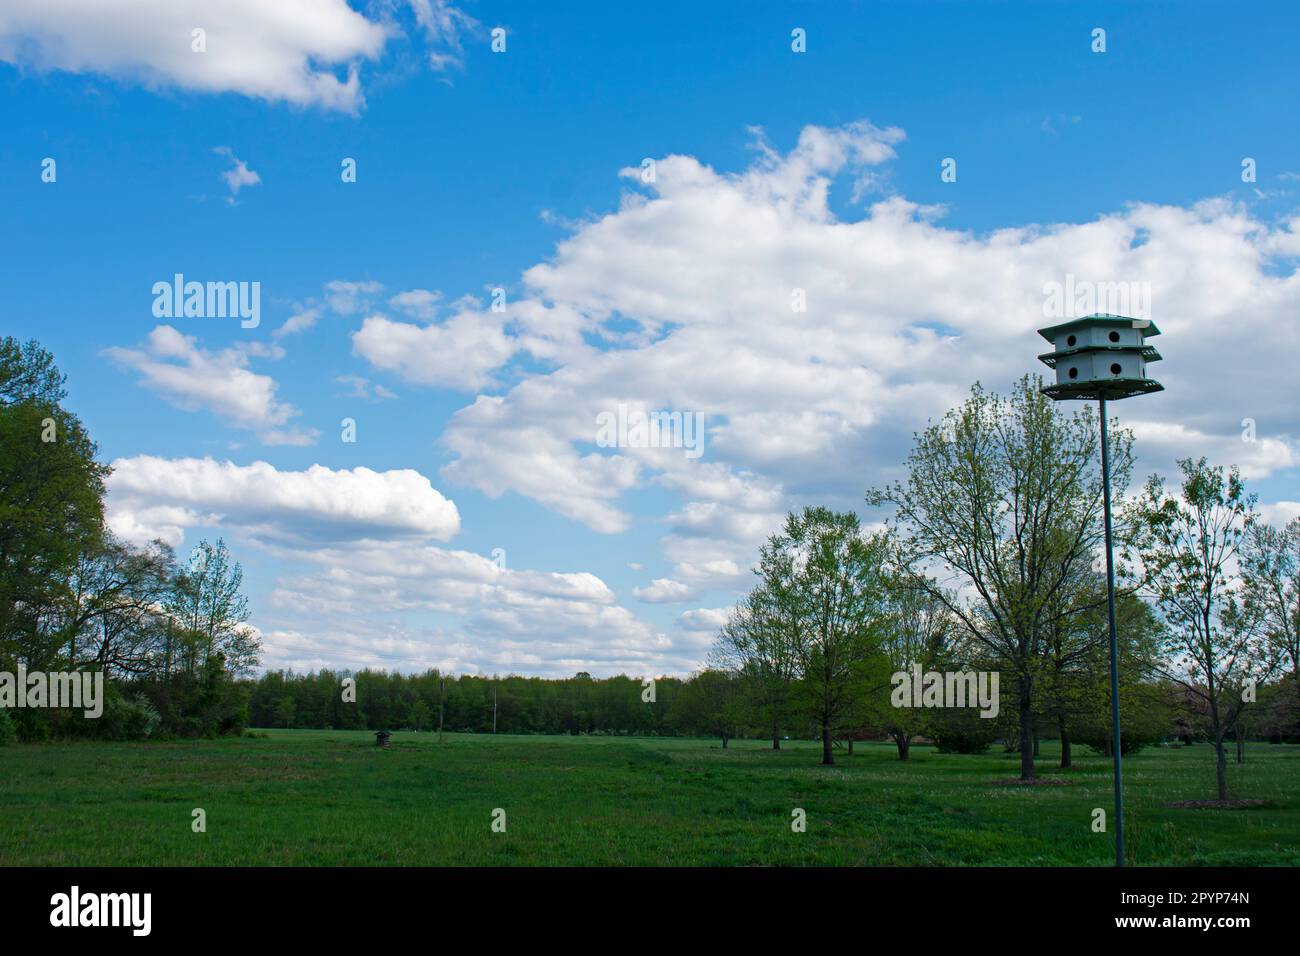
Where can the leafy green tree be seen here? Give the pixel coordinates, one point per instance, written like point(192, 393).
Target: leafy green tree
point(918, 631)
point(109, 615)
point(1147, 710)
point(1004, 497)
point(1190, 546)
point(1270, 572)
point(212, 611)
point(51, 497)
point(420, 715)
point(1074, 684)
point(760, 643)
point(284, 711)
point(710, 703)
point(829, 577)
point(28, 374)
point(1280, 703)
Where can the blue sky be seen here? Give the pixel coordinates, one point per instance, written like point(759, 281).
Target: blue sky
point(478, 170)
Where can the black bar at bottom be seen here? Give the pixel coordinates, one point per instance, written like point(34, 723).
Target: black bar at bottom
point(240, 905)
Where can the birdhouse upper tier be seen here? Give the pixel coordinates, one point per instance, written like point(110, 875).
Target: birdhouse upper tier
point(1100, 356)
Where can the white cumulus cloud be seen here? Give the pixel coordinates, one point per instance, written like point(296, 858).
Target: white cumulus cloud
point(664, 591)
point(160, 497)
point(304, 52)
point(193, 378)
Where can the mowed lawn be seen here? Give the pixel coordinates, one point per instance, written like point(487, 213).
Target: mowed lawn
point(333, 798)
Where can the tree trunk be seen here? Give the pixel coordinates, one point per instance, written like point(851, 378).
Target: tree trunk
point(850, 746)
point(904, 743)
point(776, 736)
point(1065, 746)
point(1221, 769)
point(724, 741)
point(828, 758)
point(1035, 745)
point(1026, 730)
point(1241, 744)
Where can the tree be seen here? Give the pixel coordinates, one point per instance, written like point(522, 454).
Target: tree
point(1270, 571)
point(1071, 642)
point(1074, 686)
point(759, 643)
point(1280, 704)
point(420, 714)
point(1189, 546)
point(211, 610)
point(710, 703)
point(918, 630)
point(51, 496)
point(110, 614)
point(829, 577)
point(28, 374)
point(1147, 708)
point(1005, 494)
point(284, 711)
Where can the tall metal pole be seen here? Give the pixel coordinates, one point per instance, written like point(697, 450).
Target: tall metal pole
point(1114, 639)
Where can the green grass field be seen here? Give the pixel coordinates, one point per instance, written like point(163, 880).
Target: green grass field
point(333, 798)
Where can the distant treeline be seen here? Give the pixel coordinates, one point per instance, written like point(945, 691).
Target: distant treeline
point(523, 705)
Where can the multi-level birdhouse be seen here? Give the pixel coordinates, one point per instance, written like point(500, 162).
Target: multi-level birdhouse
point(1100, 356)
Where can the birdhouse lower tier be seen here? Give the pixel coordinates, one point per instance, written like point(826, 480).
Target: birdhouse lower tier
point(1100, 364)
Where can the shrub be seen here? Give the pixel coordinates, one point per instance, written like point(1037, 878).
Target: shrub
point(962, 731)
point(207, 704)
point(1098, 739)
point(31, 726)
point(128, 718)
point(1144, 718)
